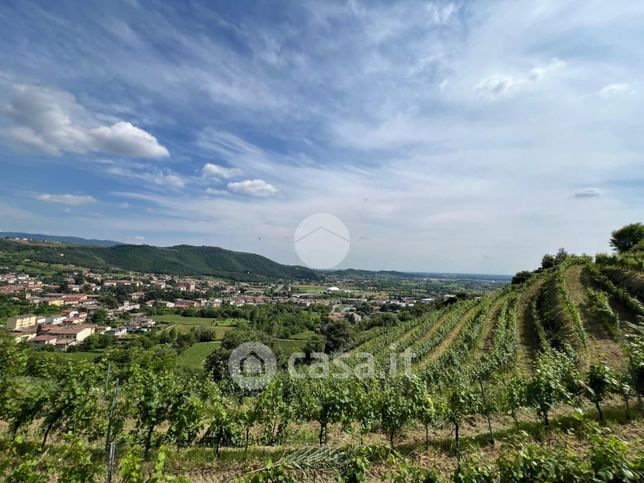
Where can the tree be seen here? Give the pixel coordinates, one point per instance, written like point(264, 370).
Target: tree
point(624, 239)
point(337, 333)
point(548, 261)
point(521, 277)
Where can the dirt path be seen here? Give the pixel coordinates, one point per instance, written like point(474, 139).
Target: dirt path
point(486, 338)
point(528, 345)
point(432, 330)
point(453, 334)
point(402, 340)
point(601, 343)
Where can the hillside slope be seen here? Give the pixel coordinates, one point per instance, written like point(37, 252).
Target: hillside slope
point(177, 260)
point(561, 308)
point(62, 239)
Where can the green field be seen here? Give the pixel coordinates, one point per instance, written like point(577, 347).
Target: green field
point(184, 324)
point(194, 357)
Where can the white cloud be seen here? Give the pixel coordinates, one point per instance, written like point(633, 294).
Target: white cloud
point(587, 193)
point(254, 187)
point(126, 139)
point(67, 199)
point(215, 191)
point(216, 171)
point(442, 14)
point(617, 89)
point(51, 121)
point(499, 85)
point(148, 174)
point(234, 150)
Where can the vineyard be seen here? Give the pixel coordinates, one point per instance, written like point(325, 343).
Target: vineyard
point(541, 380)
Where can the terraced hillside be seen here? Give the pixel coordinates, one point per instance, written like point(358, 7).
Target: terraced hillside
point(526, 378)
point(575, 306)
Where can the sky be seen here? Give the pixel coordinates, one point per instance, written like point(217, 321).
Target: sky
point(447, 136)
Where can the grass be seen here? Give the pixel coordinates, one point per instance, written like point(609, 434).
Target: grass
point(194, 357)
point(184, 324)
point(288, 346)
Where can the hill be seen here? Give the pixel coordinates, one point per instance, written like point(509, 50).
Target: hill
point(177, 260)
point(60, 239)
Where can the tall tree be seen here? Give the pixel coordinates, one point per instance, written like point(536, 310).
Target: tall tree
point(627, 237)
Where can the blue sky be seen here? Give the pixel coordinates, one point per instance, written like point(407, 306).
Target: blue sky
point(448, 136)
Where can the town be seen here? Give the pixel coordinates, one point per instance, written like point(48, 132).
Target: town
point(63, 315)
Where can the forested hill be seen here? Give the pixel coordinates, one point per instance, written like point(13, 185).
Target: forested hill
point(177, 260)
point(62, 239)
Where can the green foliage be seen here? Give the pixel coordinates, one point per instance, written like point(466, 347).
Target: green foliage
point(600, 307)
point(405, 472)
point(599, 276)
point(557, 314)
point(185, 415)
point(535, 463)
point(305, 464)
point(151, 396)
point(179, 260)
point(77, 464)
point(547, 387)
point(627, 237)
point(473, 470)
point(521, 277)
point(398, 402)
point(612, 460)
point(600, 383)
point(131, 470)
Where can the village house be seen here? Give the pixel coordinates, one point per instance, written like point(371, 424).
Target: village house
point(69, 335)
point(41, 340)
point(18, 322)
point(74, 299)
point(185, 304)
point(55, 319)
point(166, 304)
point(24, 335)
point(118, 331)
point(186, 286)
point(53, 300)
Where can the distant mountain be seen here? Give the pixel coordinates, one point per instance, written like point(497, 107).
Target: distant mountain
point(61, 239)
point(177, 260)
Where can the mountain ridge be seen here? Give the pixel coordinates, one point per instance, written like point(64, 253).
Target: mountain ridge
point(176, 260)
point(76, 240)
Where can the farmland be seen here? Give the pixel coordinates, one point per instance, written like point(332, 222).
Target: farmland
point(542, 377)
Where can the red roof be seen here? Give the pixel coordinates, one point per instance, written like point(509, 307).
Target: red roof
point(43, 338)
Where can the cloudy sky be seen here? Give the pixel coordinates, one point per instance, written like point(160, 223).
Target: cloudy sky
point(464, 137)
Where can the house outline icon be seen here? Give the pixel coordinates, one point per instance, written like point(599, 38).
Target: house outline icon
point(252, 365)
